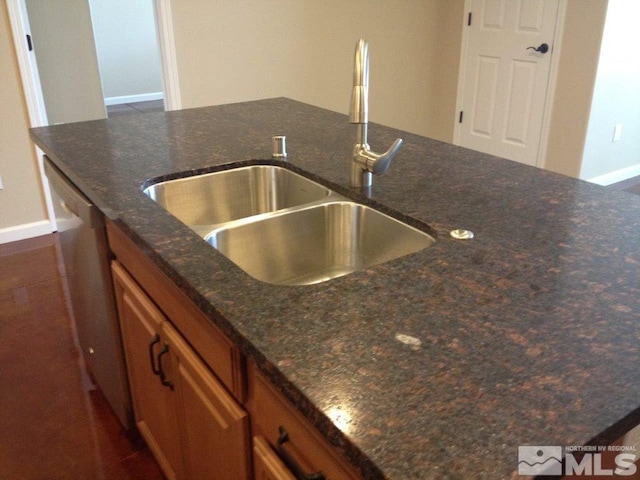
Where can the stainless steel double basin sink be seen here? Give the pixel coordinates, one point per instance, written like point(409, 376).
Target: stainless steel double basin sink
point(283, 228)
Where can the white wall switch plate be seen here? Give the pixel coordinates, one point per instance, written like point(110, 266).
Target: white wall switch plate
point(617, 132)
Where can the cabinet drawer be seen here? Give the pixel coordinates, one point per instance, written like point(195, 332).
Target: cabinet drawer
point(272, 414)
point(217, 351)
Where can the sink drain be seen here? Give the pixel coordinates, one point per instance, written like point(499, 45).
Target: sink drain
point(461, 234)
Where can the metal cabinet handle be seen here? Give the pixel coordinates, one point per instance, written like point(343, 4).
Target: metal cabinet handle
point(163, 378)
point(154, 342)
point(291, 462)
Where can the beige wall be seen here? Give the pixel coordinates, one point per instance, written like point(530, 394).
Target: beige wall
point(21, 200)
point(616, 97)
point(584, 24)
point(250, 49)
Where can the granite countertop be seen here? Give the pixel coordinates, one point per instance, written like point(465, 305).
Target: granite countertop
point(526, 335)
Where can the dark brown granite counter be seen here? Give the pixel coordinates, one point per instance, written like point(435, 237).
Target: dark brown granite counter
point(528, 334)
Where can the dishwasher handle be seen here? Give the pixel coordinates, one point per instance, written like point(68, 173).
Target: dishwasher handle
point(71, 199)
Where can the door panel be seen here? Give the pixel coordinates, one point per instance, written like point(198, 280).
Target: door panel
point(505, 86)
point(215, 429)
point(493, 14)
point(523, 75)
point(154, 404)
point(485, 95)
point(67, 63)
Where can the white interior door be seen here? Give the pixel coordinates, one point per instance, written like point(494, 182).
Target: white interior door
point(505, 76)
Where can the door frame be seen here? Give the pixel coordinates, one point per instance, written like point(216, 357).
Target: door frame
point(29, 70)
point(168, 57)
point(551, 82)
point(32, 88)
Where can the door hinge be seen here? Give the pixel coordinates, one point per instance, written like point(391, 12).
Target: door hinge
point(469, 18)
point(29, 44)
point(461, 116)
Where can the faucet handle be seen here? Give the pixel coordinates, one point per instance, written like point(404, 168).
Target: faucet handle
point(380, 163)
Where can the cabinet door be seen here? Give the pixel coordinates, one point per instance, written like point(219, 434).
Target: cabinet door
point(266, 464)
point(153, 403)
point(214, 428)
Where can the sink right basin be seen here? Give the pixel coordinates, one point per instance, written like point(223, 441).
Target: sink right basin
point(316, 243)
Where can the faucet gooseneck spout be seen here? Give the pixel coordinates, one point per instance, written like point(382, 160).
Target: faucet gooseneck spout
point(365, 163)
point(359, 112)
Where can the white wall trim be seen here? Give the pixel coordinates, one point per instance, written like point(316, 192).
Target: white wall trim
point(142, 97)
point(462, 73)
point(541, 159)
point(27, 230)
point(617, 175)
point(30, 78)
point(166, 41)
point(28, 67)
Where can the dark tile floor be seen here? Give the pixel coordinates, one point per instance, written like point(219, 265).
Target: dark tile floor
point(632, 185)
point(54, 423)
point(633, 189)
point(136, 107)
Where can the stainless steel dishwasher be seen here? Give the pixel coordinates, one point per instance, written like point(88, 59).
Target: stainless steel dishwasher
point(84, 248)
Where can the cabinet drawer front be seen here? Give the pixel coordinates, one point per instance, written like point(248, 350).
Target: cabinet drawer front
point(271, 411)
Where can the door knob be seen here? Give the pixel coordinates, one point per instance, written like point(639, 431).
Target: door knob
point(543, 48)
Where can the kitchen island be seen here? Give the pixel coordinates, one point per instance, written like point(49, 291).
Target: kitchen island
point(438, 364)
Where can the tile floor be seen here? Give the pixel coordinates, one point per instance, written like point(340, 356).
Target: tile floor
point(54, 423)
point(137, 107)
point(633, 188)
point(631, 185)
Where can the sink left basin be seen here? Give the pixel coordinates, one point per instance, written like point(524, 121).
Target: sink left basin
point(203, 201)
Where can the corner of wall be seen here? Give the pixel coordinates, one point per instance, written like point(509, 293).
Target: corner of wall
point(581, 39)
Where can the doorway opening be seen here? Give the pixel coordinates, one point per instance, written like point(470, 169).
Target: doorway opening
point(84, 94)
point(92, 54)
point(128, 55)
point(30, 75)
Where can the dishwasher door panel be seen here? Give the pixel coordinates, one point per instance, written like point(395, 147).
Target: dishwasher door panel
point(85, 253)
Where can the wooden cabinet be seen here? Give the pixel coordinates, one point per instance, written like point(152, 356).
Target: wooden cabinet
point(278, 427)
point(213, 347)
point(214, 428)
point(266, 463)
point(194, 427)
point(154, 404)
point(188, 382)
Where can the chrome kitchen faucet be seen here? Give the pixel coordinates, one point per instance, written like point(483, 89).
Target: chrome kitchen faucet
point(364, 162)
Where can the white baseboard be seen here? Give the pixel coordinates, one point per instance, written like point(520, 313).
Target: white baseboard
point(616, 176)
point(27, 230)
point(143, 97)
